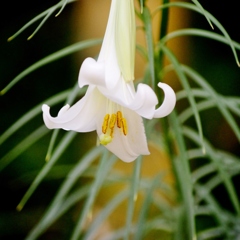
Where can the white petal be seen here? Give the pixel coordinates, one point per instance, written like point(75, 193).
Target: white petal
point(81, 117)
point(109, 36)
point(144, 101)
point(107, 55)
point(112, 70)
point(62, 110)
point(102, 74)
point(168, 103)
point(91, 73)
point(128, 147)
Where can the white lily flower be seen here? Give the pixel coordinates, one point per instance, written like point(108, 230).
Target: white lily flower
point(111, 106)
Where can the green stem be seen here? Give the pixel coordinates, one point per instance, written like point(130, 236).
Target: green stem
point(164, 22)
point(179, 160)
point(147, 20)
point(158, 67)
point(160, 56)
point(183, 175)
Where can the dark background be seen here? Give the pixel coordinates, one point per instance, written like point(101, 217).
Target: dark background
point(15, 56)
point(213, 60)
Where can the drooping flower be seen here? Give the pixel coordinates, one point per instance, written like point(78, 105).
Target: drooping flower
point(111, 106)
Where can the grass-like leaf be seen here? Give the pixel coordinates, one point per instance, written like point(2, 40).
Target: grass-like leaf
point(62, 201)
point(182, 170)
point(216, 159)
point(147, 20)
point(203, 105)
point(31, 114)
point(218, 101)
point(140, 227)
point(47, 167)
point(106, 211)
point(65, 2)
point(212, 233)
point(133, 195)
point(210, 16)
point(104, 166)
point(184, 81)
point(52, 57)
point(23, 146)
point(199, 33)
point(203, 12)
point(45, 15)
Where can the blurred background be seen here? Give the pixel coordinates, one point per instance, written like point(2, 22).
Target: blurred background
point(79, 21)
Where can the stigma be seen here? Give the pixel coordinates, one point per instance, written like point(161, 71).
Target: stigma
point(108, 125)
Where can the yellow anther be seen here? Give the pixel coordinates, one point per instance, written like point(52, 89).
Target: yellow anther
point(112, 121)
point(105, 123)
point(109, 124)
point(105, 139)
point(124, 126)
point(119, 119)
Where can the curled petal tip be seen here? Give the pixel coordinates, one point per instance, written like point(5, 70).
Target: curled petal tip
point(63, 109)
point(45, 107)
point(168, 102)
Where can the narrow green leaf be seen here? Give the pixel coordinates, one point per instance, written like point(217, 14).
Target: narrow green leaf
point(211, 17)
point(205, 194)
point(46, 168)
point(144, 210)
point(51, 144)
point(141, 5)
point(52, 57)
point(62, 201)
point(212, 233)
point(182, 170)
point(41, 23)
point(65, 2)
point(133, 196)
point(31, 114)
point(203, 12)
point(230, 102)
point(22, 146)
point(104, 166)
point(203, 171)
point(217, 160)
point(185, 84)
point(203, 105)
point(218, 101)
point(57, 211)
point(197, 92)
point(142, 50)
point(46, 13)
point(150, 45)
point(199, 33)
point(106, 211)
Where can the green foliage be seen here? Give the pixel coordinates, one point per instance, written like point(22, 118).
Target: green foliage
point(183, 210)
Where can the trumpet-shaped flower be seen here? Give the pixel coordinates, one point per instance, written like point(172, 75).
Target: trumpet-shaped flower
point(111, 105)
